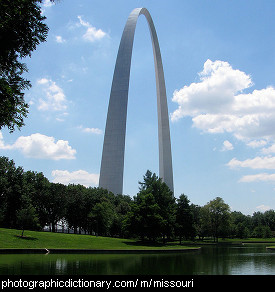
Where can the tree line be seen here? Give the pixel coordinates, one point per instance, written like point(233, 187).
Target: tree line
point(28, 200)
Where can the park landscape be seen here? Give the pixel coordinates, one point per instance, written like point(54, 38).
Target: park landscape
point(40, 216)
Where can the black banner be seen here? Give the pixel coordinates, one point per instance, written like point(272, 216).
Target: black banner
point(130, 282)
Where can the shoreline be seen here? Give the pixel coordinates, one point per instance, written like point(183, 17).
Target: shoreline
point(93, 251)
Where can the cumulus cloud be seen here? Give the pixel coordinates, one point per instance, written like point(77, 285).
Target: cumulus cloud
point(260, 177)
point(76, 177)
point(227, 146)
point(53, 98)
point(269, 150)
point(217, 104)
point(263, 208)
point(41, 146)
point(92, 34)
point(257, 143)
point(218, 85)
point(59, 39)
point(266, 162)
point(91, 130)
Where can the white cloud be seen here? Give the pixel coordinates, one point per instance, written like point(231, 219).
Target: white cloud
point(219, 83)
point(92, 34)
point(76, 177)
point(47, 3)
point(217, 104)
point(257, 143)
point(43, 81)
point(263, 208)
point(92, 131)
point(267, 162)
point(54, 98)
point(41, 146)
point(269, 150)
point(59, 39)
point(260, 177)
point(227, 146)
point(95, 131)
point(2, 144)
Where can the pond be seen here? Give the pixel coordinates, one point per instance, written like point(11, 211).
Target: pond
point(210, 260)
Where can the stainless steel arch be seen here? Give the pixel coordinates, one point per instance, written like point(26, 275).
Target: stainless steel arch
point(112, 163)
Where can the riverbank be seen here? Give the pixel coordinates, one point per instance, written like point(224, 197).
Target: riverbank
point(43, 242)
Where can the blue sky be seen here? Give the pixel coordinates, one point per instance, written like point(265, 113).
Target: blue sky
point(218, 58)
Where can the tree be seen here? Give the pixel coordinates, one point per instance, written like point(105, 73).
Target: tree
point(11, 184)
point(144, 218)
point(262, 231)
point(164, 199)
point(218, 214)
point(22, 28)
point(270, 219)
point(102, 216)
point(37, 187)
point(241, 225)
point(75, 204)
point(152, 213)
point(54, 203)
point(184, 218)
point(27, 217)
point(121, 208)
point(258, 219)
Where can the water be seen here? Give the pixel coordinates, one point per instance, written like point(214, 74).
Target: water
point(243, 260)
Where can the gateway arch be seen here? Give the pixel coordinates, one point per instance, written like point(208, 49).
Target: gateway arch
point(112, 162)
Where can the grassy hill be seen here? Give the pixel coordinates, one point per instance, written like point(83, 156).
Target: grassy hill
point(10, 238)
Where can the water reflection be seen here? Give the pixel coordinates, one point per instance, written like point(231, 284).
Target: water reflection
point(246, 260)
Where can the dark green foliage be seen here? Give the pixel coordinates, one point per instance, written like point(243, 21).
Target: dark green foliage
point(153, 212)
point(184, 219)
point(11, 190)
point(27, 217)
point(22, 28)
point(29, 201)
point(102, 217)
point(262, 231)
point(217, 214)
point(37, 188)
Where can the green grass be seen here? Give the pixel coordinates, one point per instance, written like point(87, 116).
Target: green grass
point(10, 238)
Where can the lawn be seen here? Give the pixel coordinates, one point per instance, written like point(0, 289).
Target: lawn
point(10, 238)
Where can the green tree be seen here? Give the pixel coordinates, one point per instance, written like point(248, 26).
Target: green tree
point(75, 205)
point(144, 219)
point(102, 216)
point(54, 204)
point(93, 197)
point(262, 231)
point(11, 185)
point(270, 219)
point(164, 199)
point(22, 28)
point(258, 219)
point(241, 225)
point(37, 187)
point(27, 217)
point(218, 216)
point(242, 231)
point(184, 218)
point(122, 205)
